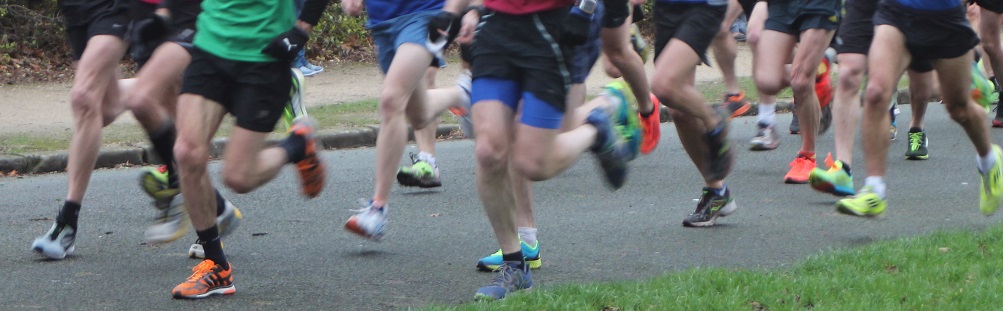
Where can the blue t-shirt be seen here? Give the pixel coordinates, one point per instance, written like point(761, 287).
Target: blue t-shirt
point(381, 10)
point(930, 5)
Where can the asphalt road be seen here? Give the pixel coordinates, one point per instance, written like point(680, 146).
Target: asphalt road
point(290, 253)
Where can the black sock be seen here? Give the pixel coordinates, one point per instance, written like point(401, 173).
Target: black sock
point(68, 215)
point(996, 84)
point(295, 147)
point(846, 167)
point(209, 238)
point(915, 129)
point(163, 144)
point(646, 115)
point(516, 257)
point(220, 204)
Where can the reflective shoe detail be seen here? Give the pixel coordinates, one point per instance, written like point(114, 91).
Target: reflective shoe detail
point(835, 180)
point(509, 279)
point(207, 279)
point(494, 261)
point(419, 174)
point(609, 148)
point(171, 224)
point(918, 143)
point(737, 105)
point(864, 203)
point(651, 127)
point(710, 207)
point(766, 138)
point(311, 168)
point(991, 188)
point(800, 169)
point(295, 107)
point(370, 222)
point(58, 242)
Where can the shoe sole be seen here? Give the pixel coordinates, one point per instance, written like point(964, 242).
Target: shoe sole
point(740, 111)
point(225, 290)
point(408, 180)
point(759, 147)
point(185, 226)
point(826, 187)
point(533, 264)
point(922, 157)
point(55, 256)
point(353, 226)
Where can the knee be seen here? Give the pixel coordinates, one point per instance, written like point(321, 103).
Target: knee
point(802, 82)
point(767, 84)
point(990, 46)
point(666, 90)
point(877, 97)
point(85, 102)
point(237, 181)
point(534, 169)
point(959, 110)
point(391, 105)
point(492, 156)
point(752, 38)
point(190, 155)
point(850, 77)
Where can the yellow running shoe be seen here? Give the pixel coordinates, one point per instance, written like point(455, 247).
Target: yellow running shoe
point(991, 192)
point(865, 203)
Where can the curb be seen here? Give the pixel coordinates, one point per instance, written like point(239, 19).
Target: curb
point(113, 157)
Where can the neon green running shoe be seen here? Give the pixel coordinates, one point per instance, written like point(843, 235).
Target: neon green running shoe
point(420, 174)
point(991, 190)
point(154, 182)
point(835, 180)
point(865, 203)
point(983, 91)
point(494, 261)
point(294, 108)
point(628, 124)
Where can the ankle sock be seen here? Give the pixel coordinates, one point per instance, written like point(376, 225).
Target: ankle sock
point(986, 161)
point(212, 246)
point(877, 184)
point(766, 113)
point(516, 257)
point(528, 235)
point(915, 129)
point(427, 157)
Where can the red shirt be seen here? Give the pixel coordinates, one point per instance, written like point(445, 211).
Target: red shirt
point(518, 7)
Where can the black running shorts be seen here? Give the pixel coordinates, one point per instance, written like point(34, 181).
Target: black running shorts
point(992, 5)
point(795, 16)
point(929, 35)
point(856, 30)
point(616, 13)
point(183, 16)
point(695, 24)
point(254, 93)
point(88, 18)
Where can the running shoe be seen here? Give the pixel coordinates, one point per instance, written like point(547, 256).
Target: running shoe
point(795, 127)
point(463, 81)
point(766, 138)
point(710, 207)
point(823, 83)
point(918, 143)
point(420, 174)
point(991, 190)
point(800, 169)
point(295, 108)
point(227, 223)
point(311, 168)
point(998, 120)
point(58, 242)
point(625, 115)
point(610, 148)
point(155, 183)
point(315, 68)
point(494, 261)
point(836, 180)
point(982, 89)
point(737, 104)
point(893, 114)
point(864, 203)
point(640, 45)
point(720, 159)
point(825, 119)
point(370, 222)
point(207, 279)
point(171, 224)
point(509, 279)
point(651, 127)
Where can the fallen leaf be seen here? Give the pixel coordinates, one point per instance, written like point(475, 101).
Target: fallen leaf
point(944, 249)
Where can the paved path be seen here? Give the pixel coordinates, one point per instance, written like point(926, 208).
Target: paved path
point(292, 254)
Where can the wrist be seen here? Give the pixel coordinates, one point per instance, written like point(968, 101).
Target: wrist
point(480, 9)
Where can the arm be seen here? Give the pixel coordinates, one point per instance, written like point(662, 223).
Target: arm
point(311, 14)
point(352, 7)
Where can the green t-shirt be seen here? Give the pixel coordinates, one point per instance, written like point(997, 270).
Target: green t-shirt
point(239, 29)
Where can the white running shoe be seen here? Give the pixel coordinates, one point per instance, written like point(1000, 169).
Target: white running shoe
point(56, 243)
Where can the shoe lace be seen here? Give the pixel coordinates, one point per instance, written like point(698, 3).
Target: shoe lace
point(915, 140)
point(414, 157)
point(705, 199)
point(506, 277)
point(202, 269)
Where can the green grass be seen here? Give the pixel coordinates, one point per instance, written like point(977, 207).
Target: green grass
point(941, 271)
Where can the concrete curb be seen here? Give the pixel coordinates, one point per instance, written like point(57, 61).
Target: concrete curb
point(112, 157)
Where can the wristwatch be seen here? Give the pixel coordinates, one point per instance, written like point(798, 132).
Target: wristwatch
point(587, 6)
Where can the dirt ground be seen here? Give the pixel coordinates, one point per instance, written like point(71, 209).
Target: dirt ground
point(27, 108)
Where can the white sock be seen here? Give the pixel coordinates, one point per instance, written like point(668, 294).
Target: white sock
point(766, 113)
point(987, 161)
point(877, 184)
point(427, 157)
point(528, 235)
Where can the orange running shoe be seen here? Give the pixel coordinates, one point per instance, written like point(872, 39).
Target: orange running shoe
point(207, 279)
point(737, 104)
point(311, 168)
point(823, 83)
point(800, 169)
point(651, 126)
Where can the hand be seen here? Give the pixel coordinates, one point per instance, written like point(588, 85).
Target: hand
point(468, 27)
point(575, 30)
point(637, 2)
point(352, 7)
point(439, 30)
point(287, 45)
point(151, 29)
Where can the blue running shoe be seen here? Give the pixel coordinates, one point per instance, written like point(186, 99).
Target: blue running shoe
point(494, 261)
point(610, 148)
point(508, 280)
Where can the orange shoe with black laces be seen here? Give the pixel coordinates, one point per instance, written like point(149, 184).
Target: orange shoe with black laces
point(737, 104)
point(311, 168)
point(207, 279)
point(651, 127)
point(800, 169)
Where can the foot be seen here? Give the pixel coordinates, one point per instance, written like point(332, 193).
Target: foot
point(710, 207)
point(509, 279)
point(865, 203)
point(991, 190)
point(651, 127)
point(736, 104)
point(800, 169)
point(795, 126)
point(58, 242)
point(207, 279)
point(311, 168)
point(171, 224)
point(154, 182)
point(918, 143)
point(610, 148)
point(227, 223)
point(825, 119)
point(315, 68)
point(835, 180)
point(420, 174)
point(494, 261)
point(766, 138)
point(294, 107)
point(998, 120)
point(640, 45)
point(893, 114)
point(463, 110)
point(370, 222)
point(625, 115)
